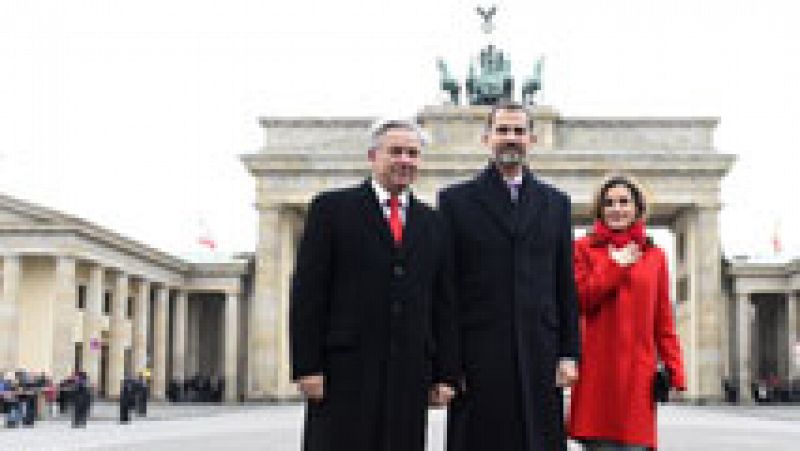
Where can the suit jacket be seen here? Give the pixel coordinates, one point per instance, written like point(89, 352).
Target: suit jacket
point(517, 311)
point(377, 320)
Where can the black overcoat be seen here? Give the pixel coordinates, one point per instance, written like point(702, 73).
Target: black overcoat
point(517, 311)
point(376, 319)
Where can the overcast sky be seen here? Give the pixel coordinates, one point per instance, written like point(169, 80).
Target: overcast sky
point(133, 114)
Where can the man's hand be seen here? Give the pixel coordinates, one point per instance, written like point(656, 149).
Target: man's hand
point(312, 386)
point(566, 373)
point(441, 395)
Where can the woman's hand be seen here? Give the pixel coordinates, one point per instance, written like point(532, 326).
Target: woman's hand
point(626, 256)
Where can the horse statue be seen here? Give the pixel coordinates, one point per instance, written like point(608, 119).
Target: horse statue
point(447, 83)
point(533, 83)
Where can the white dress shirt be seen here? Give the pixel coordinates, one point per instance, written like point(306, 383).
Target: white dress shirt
point(383, 200)
point(514, 184)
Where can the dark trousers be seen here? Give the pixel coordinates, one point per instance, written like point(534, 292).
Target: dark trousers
point(80, 411)
point(125, 407)
point(12, 414)
point(28, 405)
point(141, 403)
point(601, 445)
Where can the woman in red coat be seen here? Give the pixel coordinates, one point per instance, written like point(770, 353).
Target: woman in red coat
point(626, 324)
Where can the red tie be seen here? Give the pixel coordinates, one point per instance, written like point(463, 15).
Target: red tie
point(394, 220)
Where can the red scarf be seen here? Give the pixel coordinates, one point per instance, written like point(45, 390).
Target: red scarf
point(619, 238)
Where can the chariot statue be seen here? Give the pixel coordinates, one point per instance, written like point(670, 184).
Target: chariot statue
point(492, 81)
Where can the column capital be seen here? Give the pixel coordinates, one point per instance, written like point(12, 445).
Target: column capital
point(269, 207)
point(708, 206)
point(119, 272)
point(61, 256)
point(141, 281)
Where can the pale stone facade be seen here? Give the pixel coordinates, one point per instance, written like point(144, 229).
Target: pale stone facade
point(762, 301)
point(77, 296)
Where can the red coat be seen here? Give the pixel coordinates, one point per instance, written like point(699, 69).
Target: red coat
point(626, 324)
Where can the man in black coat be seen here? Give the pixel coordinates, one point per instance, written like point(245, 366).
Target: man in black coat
point(82, 400)
point(372, 326)
point(511, 240)
point(127, 399)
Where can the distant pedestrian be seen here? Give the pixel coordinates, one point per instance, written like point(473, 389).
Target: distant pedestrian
point(127, 400)
point(10, 400)
point(81, 401)
point(141, 394)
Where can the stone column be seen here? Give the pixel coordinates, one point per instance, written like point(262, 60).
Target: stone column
point(264, 364)
point(193, 338)
point(93, 325)
point(231, 346)
point(159, 383)
point(685, 316)
point(116, 349)
point(64, 315)
point(269, 318)
point(791, 334)
point(140, 326)
point(9, 312)
point(756, 317)
point(179, 339)
point(743, 328)
point(705, 359)
point(288, 230)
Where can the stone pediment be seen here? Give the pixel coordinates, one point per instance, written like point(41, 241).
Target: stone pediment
point(21, 218)
point(18, 213)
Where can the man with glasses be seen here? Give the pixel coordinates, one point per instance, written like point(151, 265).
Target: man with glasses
point(372, 326)
point(511, 240)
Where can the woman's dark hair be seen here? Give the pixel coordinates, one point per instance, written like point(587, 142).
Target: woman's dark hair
point(619, 180)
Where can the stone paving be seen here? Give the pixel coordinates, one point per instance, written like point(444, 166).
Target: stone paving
point(278, 427)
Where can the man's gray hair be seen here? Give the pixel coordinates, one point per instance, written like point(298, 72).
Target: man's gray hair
point(381, 126)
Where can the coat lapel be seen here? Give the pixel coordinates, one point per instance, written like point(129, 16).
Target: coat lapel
point(493, 195)
point(372, 211)
point(532, 206)
point(413, 226)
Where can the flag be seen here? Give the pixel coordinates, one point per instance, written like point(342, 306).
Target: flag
point(777, 245)
point(205, 238)
point(207, 242)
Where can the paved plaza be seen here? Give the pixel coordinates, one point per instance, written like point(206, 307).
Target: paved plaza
point(277, 427)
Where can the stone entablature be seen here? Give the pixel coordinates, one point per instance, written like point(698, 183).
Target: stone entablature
point(636, 134)
point(674, 157)
point(763, 277)
point(318, 134)
point(678, 179)
point(456, 127)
